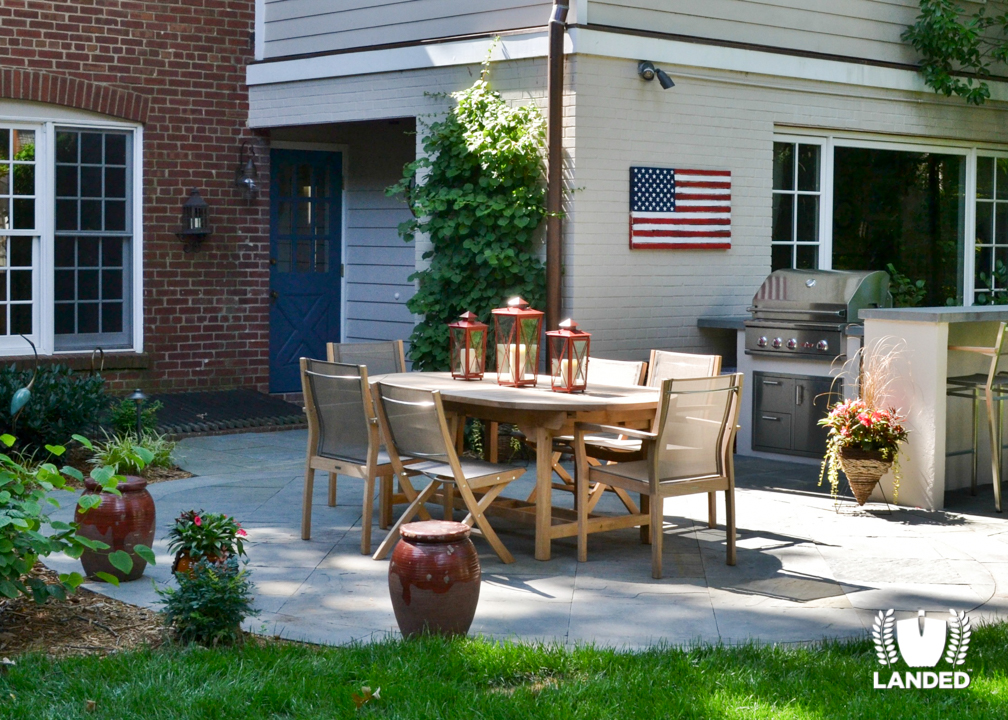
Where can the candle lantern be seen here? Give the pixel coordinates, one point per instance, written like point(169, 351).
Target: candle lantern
point(516, 332)
point(467, 342)
point(568, 352)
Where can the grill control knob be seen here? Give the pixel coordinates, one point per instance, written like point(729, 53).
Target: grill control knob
point(822, 346)
point(792, 344)
point(777, 342)
point(762, 341)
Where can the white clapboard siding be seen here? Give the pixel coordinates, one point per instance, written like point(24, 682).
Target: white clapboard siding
point(295, 27)
point(861, 29)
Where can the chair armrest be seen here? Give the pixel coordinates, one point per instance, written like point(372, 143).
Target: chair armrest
point(988, 351)
point(615, 430)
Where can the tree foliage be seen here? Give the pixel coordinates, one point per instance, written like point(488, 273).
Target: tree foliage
point(959, 47)
point(479, 194)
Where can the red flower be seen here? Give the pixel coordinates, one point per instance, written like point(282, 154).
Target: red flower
point(241, 533)
point(197, 521)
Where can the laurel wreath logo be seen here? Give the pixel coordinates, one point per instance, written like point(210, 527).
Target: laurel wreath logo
point(882, 632)
point(959, 629)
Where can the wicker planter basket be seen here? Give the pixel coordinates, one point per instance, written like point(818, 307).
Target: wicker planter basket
point(863, 468)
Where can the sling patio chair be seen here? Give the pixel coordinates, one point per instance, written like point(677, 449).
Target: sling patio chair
point(380, 358)
point(416, 429)
point(689, 451)
point(342, 436)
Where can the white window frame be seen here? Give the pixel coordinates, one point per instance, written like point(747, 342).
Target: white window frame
point(829, 141)
point(27, 115)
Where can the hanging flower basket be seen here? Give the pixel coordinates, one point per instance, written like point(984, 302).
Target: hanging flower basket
point(864, 469)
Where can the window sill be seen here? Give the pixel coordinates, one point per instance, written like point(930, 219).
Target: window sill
point(82, 361)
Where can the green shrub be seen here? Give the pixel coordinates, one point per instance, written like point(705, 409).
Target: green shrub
point(25, 528)
point(479, 194)
point(62, 404)
point(209, 606)
point(122, 416)
point(129, 456)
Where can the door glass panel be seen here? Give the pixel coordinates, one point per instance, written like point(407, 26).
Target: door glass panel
point(808, 167)
point(304, 181)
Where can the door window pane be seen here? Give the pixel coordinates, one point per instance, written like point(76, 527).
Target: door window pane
point(905, 209)
point(796, 199)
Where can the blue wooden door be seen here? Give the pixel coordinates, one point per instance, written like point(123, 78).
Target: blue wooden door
point(305, 242)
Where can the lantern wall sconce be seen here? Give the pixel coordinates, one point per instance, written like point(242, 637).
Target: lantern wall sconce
point(467, 347)
point(568, 352)
point(247, 174)
point(195, 221)
point(517, 330)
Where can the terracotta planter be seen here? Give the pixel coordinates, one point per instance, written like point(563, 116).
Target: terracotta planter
point(185, 563)
point(119, 522)
point(434, 578)
point(863, 468)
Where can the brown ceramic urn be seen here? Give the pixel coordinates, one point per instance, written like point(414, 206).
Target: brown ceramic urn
point(434, 578)
point(121, 522)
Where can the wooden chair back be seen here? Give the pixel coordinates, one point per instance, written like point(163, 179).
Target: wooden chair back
point(340, 409)
point(618, 373)
point(695, 424)
point(416, 424)
point(666, 364)
point(380, 358)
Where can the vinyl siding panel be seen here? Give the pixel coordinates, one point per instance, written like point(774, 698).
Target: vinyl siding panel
point(860, 29)
point(295, 27)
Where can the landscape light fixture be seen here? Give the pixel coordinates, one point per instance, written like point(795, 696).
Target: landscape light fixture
point(648, 72)
point(247, 173)
point(138, 397)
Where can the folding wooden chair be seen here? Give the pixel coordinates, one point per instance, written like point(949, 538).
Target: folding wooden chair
point(342, 437)
point(415, 427)
point(690, 451)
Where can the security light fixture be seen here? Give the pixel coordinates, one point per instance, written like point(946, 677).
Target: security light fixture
point(247, 173)
point(648, 72)
point(195, 221)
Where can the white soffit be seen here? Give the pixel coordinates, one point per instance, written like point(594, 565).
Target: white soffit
point(585, 41)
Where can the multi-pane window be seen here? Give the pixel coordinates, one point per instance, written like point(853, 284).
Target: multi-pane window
point(17, 231)
point(991, 264)
point(304, 209)
point(93, 236)
point(796, 205)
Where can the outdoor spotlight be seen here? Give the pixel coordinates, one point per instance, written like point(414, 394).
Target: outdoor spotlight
point(648, 72)
point(246, 174)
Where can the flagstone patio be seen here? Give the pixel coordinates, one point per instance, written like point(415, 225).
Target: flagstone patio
point(805, 570)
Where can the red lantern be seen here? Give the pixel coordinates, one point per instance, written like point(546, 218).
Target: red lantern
point(467, 342)
point(516, 331)
point(568, 351)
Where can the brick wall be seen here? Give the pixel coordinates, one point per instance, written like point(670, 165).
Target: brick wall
point(178, 66)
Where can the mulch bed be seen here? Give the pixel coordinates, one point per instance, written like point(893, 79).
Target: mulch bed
point(86, 624)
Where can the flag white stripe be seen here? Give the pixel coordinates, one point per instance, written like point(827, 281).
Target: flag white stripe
point(681, 216)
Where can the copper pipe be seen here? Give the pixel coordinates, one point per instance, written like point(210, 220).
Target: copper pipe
point(554, 151)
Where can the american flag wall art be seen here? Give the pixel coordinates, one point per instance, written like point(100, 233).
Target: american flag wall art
point(680, 209)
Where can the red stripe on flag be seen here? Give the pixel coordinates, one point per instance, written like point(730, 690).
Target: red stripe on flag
point(703, 184)
point(682, 221)
point(682, 233)
point(709, 173)
point(703, 196)
point(679, 246)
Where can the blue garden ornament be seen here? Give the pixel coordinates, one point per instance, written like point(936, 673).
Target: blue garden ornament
point(23, 395)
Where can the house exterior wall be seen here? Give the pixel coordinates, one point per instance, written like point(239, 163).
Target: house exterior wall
point(297, 27)
point(856, 29)
point(636, 300)
point(179, 68)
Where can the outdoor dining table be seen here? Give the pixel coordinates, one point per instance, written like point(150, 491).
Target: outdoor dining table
point(541, 415)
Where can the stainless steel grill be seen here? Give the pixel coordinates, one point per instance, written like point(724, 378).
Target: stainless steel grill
point(806, 313)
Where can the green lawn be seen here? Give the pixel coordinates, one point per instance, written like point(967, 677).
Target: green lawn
point(481, 679)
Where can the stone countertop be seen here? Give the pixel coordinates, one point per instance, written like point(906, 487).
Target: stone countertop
point(723, 322)
point(986, 313)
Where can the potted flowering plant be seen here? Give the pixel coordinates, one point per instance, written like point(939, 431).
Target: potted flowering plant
point(196, 535)
point(864, 442)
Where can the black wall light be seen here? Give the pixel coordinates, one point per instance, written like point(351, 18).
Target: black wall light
point(648, 72)
point(247, 174)
point(195, 221)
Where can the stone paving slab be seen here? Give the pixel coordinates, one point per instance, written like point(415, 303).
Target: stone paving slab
point(807, 568)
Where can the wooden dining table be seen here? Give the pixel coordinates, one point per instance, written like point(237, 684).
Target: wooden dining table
point(541, 415)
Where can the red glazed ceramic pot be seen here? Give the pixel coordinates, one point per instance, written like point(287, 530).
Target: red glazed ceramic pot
point(434, 578)
point(119, 522)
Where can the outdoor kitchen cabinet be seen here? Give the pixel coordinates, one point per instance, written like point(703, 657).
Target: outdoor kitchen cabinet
point(787, 409)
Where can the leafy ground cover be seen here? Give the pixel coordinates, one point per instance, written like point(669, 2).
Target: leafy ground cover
point(475, 678)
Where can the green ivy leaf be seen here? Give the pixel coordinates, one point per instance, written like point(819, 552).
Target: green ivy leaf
point(8, 439)
point(107, 577)
point(83, 441)
point(121, 561)
point(56, 450)
point(146, 553)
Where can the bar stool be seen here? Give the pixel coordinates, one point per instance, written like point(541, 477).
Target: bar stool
point(993, 386)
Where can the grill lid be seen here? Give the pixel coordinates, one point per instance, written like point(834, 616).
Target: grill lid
point(820, 294)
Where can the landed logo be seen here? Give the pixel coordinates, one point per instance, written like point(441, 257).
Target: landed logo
point(921, 641)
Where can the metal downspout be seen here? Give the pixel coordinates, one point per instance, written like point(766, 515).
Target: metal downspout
point(554, 178)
